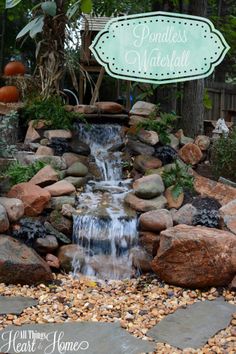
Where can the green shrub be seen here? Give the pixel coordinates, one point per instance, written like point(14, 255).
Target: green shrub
point(19, 173)
point(223, 157)
point(52, 111)
point(178, 177)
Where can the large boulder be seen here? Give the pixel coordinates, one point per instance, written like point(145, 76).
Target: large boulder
point(196, 257)
point(33, 197)
point(47, 175)
point(148, 187)
point(208, 188)
point(21, 264)
point(14, 208)
point(143, 205)
point(191, 154)
point(60, 188)
point(142, 163)
point(228, 215)
point(4, 222)
point(156, 220)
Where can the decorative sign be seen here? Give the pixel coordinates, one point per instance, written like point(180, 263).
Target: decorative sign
point(159, 47)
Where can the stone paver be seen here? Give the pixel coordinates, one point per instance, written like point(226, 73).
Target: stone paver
point(70, 338)
point(193, 326)
point(15, 305)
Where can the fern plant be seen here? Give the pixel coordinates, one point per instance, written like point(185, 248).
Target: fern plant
point(178, 178)
point(19, 173)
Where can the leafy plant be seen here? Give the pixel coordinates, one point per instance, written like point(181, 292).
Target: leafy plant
point(161, 126)
point(223, 157)
point(19, 173)
point(50, 110)
point(178, 177)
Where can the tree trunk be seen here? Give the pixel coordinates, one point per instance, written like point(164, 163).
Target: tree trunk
point(193, 108)
point(51, 59)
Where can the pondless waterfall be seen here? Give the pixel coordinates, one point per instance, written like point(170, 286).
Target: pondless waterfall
point(104, 227)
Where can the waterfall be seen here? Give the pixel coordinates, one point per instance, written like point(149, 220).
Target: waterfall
point(104, 227)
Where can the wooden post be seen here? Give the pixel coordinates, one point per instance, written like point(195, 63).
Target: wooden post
point(97, 86)
point(128, 103)
point(2, 37)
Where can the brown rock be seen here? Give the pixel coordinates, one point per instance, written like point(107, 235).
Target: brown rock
point(142, 108)
point(203, 142)
point(70, 255)
point(47, 244)
point(4, 222)
point(58, 133)
point(47, 175)
point(109, 107)
point(14, 208)
point(196, 257)
point(173, 202)
point(52, 261)
point(141, 259)
point(44, 151)
point(156, 220)
point(33, 197)
point(70, 158)
point(142, 163)
point(60, 188)
point(143, 205)
point(135, 120)
point(148, 137)
point(190, 154)
point(21, 264)
point(232, 287)
point(31, 134)
point(228, 215)
point(208, 188)
point(61, 223)
point(85, 109)
point(150, 242)
point(185, 215)
point(148, 187)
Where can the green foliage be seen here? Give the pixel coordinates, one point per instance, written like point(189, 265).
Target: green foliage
point(161, 126)
point(178, 178)
point(207, 102)
point(224, 157)
point(52, 111)
point(19, 173)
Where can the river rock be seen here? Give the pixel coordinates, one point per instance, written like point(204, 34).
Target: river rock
point(4, 222)
point(61, 223)
point(203, 142)
point(80, 148)
point(196, 257)
point(138, 148)
point(182, 138)
point(85, 109)
point(172, 201)
point(70, 256)
point(44, 151)
point(31, 134)
point(33, 197)
point(52, 261)
point(68, 211)
point(58, 133)
point(141, 259)
point(148, 187)
point(227, 214)
point(60, 188)
point(14, 208)
point(142, 163)
point(46, 245)
point(209, 188)
point(150, 242)
point(143, 205)
point(70, 158)
point(148, 137)
point(78, 169)
point(76, 181)
point(58, 202)
point(21, 264)
point(135, 120)
point(190, 154)
point(46, 176)
point(174, 141)
point(142, 108)
point(185, 215)
point(109, 107)
point(56, 161)
point(156, 220)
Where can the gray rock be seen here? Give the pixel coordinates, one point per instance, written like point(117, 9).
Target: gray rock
point(4, 222)
point(47, 244)
point(71, 256)
point(185, 215)
point(148, 187)
point(174, 141)
point(58, 202)
point(59, 235)
point(142, 108)
point(14, 208)
point(78, 169)
point(56, 162)
point(79, 148)
point(15, 304)
point(193, 326)
point(86, 337)
point(141, 259)
point(143, 205)
point(138, 148)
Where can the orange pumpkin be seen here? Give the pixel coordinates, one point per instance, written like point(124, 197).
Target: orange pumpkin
point(14, 68)
point(9, 94)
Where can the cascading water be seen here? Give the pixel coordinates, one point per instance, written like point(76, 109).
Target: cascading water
point(104, 227)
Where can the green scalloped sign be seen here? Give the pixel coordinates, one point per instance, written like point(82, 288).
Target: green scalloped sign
point(159, 47)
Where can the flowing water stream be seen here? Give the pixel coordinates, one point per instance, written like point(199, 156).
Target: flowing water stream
point(104, 227)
